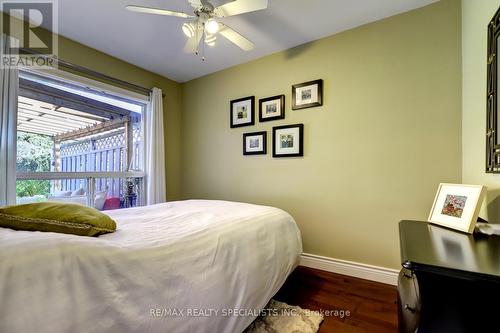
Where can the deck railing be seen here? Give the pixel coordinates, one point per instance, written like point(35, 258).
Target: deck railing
point(104, 154)
point(89, 181)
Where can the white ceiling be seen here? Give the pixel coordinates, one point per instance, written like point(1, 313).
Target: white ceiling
point(156, 42)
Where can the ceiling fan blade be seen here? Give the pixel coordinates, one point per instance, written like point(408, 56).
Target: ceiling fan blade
point(239, 7)
point(148, 10)
point(193, 42)
point(236, 38)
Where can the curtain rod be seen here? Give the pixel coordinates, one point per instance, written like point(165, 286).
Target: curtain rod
point(95, 74)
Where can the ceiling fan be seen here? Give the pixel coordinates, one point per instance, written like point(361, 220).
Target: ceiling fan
point(205, 23)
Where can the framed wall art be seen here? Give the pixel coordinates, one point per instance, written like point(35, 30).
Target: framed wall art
point(242, 112)
point(288, 141)
point(457, 206)
point(272, 108)
point(255, 143)
point(307, 95)
point(493, 95)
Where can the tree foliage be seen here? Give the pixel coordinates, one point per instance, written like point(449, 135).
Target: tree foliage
point(33, 155)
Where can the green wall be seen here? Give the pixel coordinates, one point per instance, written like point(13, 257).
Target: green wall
point(84, 56)
point(476, 16)
point(389, 132)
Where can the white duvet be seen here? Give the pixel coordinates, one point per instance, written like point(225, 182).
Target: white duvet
point(187, 266)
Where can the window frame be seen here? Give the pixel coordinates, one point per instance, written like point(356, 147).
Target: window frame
point(87, 83)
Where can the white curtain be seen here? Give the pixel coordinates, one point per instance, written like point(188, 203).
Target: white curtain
point(9, 86)
point(155, 150)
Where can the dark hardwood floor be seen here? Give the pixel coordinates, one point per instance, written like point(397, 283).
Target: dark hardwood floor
point(372, 305)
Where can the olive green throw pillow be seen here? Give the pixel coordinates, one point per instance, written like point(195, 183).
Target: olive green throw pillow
point(56, 217)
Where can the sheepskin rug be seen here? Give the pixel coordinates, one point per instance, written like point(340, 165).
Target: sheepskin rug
point(280, 317)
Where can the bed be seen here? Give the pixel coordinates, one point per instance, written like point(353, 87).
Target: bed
point(185, 266)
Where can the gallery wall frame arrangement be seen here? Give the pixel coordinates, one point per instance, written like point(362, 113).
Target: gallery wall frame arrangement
point(307, 95)
point(288, 141)
point(242, 112)
point(457, 206)
point(255, 143)
point(272, 108)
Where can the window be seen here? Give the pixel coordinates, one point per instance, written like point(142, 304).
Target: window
point(78, 144)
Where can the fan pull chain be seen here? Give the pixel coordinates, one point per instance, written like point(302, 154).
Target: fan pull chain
point(203, 48)
point(196, 33)
point(203, 44)
point(202, 39)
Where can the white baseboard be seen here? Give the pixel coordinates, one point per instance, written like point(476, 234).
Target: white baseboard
point(362, 271)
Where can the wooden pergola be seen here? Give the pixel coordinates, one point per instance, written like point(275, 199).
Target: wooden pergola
point(38, 117)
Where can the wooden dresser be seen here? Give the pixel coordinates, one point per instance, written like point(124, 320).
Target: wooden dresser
point(449, 282)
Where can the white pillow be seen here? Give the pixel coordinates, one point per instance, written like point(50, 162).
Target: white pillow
point(80, 191)
point(100, 198)
point(61, 194)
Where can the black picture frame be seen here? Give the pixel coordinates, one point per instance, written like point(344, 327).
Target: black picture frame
point(251, 117)
point(281, 115)
point(264, 143)
point(319, 100)
point(277, 130)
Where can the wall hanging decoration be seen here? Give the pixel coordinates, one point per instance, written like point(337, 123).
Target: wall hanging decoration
point(288, 141)
point(255, 143)
point(307, 95)
point(457, 206)
point(242, 112)
point(272, 108)
point(492, 96)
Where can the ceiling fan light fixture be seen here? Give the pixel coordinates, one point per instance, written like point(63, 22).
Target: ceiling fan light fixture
point(212, 26)
point(188, 29)
point(210, 39)
point(203, 25)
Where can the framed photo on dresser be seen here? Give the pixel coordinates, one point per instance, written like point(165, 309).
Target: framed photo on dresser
point(457, 206)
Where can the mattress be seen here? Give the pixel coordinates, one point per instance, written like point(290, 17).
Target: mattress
point(186, 266)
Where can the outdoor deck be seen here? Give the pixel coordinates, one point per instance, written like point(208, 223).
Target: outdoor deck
point(92, 146)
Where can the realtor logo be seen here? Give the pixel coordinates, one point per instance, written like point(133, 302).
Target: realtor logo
point(31, 27)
